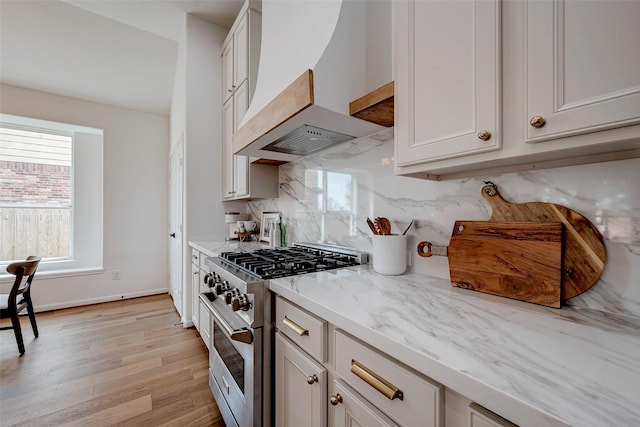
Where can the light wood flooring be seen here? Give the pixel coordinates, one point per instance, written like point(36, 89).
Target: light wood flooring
point(126, 363)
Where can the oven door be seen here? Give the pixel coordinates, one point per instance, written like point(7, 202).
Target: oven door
point(236, 367)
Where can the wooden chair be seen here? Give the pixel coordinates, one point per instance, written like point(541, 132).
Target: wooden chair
point(10, 307)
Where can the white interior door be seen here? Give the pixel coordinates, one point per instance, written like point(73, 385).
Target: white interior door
point(175, 224)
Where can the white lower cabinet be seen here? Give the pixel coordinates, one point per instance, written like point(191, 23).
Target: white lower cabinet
point(301, 387)
point(205, 324)
point(195, 288)
point(348, 384)
point(462, 412)
point(349, 409)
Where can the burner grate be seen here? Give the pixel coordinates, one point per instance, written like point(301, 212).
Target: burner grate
point(282, 262)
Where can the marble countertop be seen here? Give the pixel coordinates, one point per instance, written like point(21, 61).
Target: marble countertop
point(535, 366)
point(212, 249)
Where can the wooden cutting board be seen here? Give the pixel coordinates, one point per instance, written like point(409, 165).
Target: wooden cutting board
point(584, 254)
point(510, 259)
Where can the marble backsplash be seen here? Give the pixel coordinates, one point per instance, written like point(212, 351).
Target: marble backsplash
point(328, 196)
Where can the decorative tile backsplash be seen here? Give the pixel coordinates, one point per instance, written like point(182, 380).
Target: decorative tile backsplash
point(328, 196)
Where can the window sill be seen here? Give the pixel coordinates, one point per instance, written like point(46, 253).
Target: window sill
point(7, 278)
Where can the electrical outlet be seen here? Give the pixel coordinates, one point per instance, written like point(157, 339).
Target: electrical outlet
point(115, 274)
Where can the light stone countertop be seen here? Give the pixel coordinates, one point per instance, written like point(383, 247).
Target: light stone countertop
point(213, 249)
point(535, 366)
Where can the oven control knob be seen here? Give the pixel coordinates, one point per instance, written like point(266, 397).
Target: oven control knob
point(222, 287)
point(228, 296)
point(241, 302)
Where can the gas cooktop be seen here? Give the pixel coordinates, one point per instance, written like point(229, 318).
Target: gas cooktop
point(299, 259)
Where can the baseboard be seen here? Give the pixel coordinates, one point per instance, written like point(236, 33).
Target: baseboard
point(110, 298)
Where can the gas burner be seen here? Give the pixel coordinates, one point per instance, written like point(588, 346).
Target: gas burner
point(298, 259)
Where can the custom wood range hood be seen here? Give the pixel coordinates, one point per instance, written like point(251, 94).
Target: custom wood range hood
point(313, 63)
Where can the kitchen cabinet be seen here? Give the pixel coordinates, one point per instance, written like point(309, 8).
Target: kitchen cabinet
point(200, 315)
point(366, 387)
point(195, 288)
point(352, 410)
point(513, 86)
point(452, 85)
point(461, 412)
point(301, 387)
point(240, 55)
point(301, 380)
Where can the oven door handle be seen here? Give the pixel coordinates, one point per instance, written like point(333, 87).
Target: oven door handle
point(240, 335)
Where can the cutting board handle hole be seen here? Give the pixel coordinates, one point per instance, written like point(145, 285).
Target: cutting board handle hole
point(460, 227)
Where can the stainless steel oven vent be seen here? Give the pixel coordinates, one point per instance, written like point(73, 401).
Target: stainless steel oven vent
point(307, 140)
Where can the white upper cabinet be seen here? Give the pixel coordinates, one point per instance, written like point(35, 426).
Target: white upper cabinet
point(447, 79)
point(240, 55)
point(227, 70)
point(583, 66)
point(485, 87)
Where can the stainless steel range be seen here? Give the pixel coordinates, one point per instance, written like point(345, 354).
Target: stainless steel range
point(240, 358)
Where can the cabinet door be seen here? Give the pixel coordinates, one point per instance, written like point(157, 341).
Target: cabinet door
point(227, 151)
point(582, 66)
point(301, 387)
point(227, 71)
point(195, 293)
point(448, 90)
point(241, 163)
point(205, 324)
point(480, 417)
point(349, 409)
point(240, 52)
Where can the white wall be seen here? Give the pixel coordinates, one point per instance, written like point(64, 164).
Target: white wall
point(136, 148)
point(196, 113)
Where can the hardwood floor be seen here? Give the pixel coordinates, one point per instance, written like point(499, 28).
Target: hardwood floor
point(126, 363)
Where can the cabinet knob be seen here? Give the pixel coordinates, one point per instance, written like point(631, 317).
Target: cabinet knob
point(484, 135)
point(537, 121)
point(335, 399)
point(312, 379)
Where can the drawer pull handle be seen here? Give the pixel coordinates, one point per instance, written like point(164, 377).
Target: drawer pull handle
point(390, 391)
point(296, 327)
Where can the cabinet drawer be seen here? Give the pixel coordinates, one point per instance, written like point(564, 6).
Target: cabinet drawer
point(481, 417)
point(403, 395)
point(303, 328)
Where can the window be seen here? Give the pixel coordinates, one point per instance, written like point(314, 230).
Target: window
point(35, 193)
point(50, 194)
point(335, 201)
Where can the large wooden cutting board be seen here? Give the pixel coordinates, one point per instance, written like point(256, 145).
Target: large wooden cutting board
point(584, 254)
point(511, 259)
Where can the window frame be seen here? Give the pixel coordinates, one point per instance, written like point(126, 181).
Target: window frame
point(87, 182)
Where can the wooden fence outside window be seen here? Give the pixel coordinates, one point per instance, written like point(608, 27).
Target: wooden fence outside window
point(28, 231)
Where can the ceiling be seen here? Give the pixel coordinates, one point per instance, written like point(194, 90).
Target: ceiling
point(115, 52)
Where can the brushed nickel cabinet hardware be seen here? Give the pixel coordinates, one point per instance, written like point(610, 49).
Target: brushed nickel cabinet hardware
point(390, 391)
point(295, 326)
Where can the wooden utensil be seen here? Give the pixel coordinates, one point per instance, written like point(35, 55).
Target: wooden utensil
point(384, 225)
point(520, 260)
point(373, 228)
point(408, 227)
point(584, 254)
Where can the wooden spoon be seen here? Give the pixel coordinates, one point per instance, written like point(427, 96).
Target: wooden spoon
point(372, 226)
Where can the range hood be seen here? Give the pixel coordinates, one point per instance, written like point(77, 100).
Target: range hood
point(314, 60)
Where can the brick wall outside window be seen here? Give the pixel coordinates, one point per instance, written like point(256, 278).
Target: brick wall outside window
point(34, 184)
